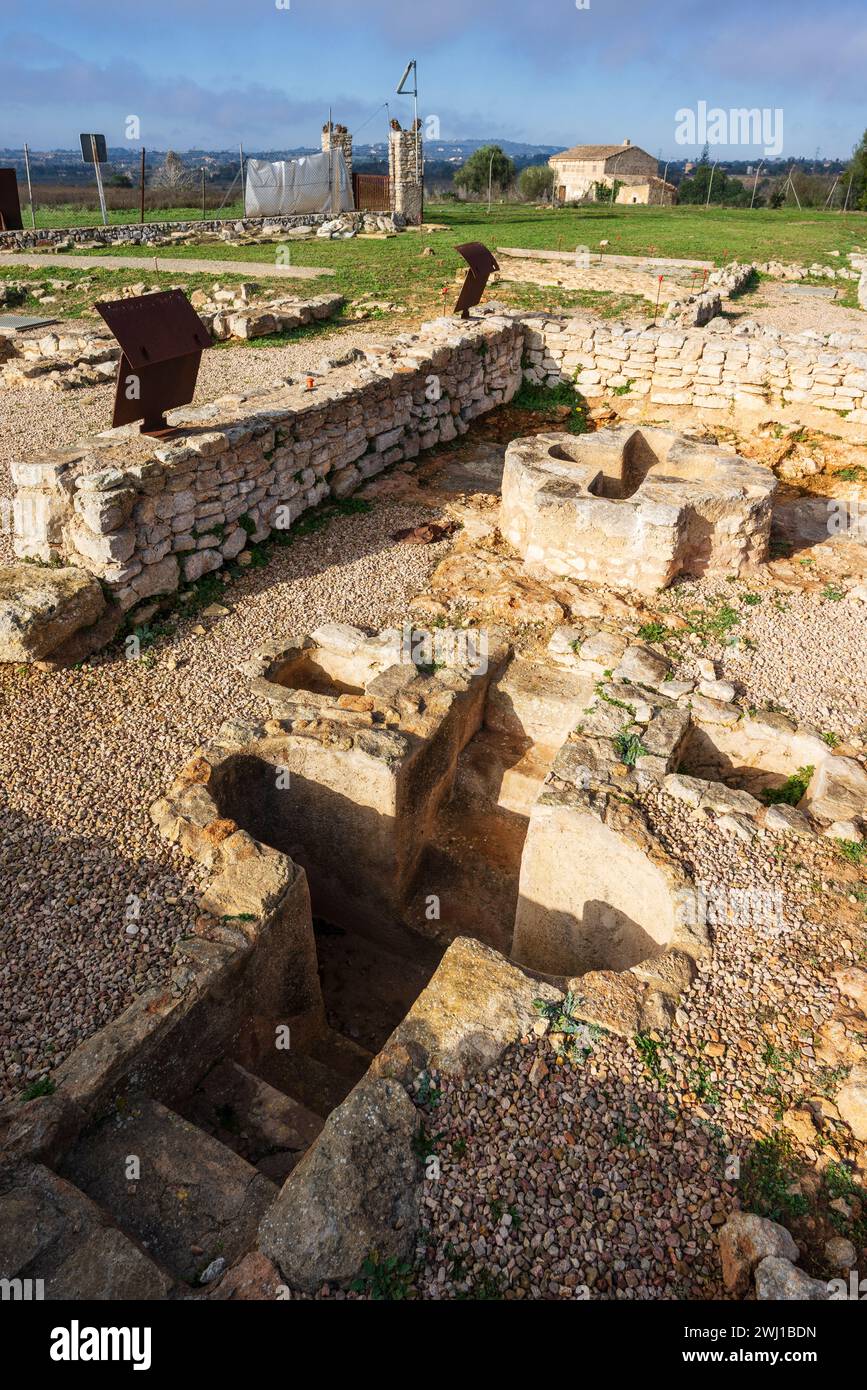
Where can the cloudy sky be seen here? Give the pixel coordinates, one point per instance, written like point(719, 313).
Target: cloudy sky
point(208, 73)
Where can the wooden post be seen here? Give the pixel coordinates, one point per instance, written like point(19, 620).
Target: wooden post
point(203, 193)
point(142, 180)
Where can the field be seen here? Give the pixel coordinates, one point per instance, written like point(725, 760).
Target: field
point(395, 272)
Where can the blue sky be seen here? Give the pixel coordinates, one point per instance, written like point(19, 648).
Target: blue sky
point(208, 73)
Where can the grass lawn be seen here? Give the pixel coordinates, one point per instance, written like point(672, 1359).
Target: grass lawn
point(395, 270)
point(72, 215)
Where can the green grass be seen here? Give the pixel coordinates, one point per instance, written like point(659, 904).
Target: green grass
point(552, 400)
point(715, 234)
point(854, 851)
point(74, 215)
point(395, 268)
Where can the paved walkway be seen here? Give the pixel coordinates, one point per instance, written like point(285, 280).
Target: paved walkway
point(254, 269)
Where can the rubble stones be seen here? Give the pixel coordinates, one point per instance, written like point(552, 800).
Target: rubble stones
point(745, 1240)
point(356, 1190)
point(40, 609)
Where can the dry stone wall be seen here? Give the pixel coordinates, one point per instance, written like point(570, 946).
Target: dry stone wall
point(164, 233)
point(145, 514)
point(714, 368)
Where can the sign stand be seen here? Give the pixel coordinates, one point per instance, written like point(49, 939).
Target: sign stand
point(481, 263)
point(99, 184)
point(162, 339)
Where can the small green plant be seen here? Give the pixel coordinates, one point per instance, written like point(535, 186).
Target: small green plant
point(651, 1052)
point(853, 851)
point(712, 625)
point(833, 594)
point(629, 747)
point(751, 600)
point(388, 1280)
point(791, 791)
point(769, 1176)
point(43, 1087)
point(654, 632)
point(423, 1143)
point(831, 739)
point(561, 1017)
point(549, 400)
point(701, 1082)
point(426, 1092)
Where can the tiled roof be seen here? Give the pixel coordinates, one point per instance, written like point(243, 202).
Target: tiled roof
point(588, 152)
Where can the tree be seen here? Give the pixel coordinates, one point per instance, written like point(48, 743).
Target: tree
point(723, 190)
point(536, 181)
point(857, 172)
point(171, 174)
point(487, 162)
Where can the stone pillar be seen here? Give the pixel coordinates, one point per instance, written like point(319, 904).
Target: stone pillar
point(406, 171)
point(337, 137)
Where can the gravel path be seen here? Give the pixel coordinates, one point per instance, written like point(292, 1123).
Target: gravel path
point(252, 270)
point(85, 752)
point(772, 306)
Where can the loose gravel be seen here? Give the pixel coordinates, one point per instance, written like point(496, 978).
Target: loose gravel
point(801, 653)
point(84, 753)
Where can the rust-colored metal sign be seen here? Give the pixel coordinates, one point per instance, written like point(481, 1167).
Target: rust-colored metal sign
point(10, 206)
point(162, 339)
point(481, 263)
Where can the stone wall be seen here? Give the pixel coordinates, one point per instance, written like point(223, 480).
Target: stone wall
point(712, 368)
point(406, 171)
point(144, 515)
point(163, 233)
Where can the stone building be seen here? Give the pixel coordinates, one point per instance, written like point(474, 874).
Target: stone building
point(578, 170)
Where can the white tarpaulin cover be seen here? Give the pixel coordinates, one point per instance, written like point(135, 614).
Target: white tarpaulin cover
point(297, 185)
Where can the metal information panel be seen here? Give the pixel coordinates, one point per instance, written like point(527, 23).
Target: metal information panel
point(481, 263)
point(93, 149)
point(162, 339)
point(10, 207)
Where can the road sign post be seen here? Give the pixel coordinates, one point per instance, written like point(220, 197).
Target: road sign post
point(93, 152)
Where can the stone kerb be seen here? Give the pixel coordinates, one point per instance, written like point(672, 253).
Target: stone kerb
point(145, 515)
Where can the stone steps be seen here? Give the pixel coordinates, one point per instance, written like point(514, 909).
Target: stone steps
point(265, 1126)
point(496, 770)
point(531, 704)
point(369, 988)
point(315, 1084)
point(54, 1235)
point(188, 1199)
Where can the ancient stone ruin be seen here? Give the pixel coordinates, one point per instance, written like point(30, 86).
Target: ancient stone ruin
point(633, 508)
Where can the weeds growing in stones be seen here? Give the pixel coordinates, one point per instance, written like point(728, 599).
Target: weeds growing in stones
point(388, 1280)
point(791, 791)
point(629, 748)
point(769, 1176)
